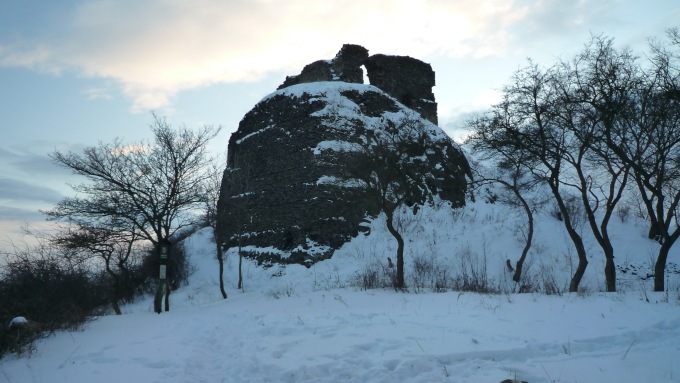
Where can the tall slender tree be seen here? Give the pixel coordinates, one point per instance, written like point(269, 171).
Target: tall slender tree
point(510, 172)
point(526, 123)
point(650, 144)
point(390, 165)
point(596, 94)
point(211, 219)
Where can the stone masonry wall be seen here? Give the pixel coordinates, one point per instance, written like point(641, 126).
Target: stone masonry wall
point(408, 80)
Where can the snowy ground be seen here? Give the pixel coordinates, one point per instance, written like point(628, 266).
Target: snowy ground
point(314, 325)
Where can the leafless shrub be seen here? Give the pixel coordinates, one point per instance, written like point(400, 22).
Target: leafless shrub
point(38, 283)
point(423, 268)
point(623, 212)
point(288, 290)
point(472, 273)
point(428, 274)
point(374, 275)
point(548, 281)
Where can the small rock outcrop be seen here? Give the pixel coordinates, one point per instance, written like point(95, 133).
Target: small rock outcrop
point(286, 195)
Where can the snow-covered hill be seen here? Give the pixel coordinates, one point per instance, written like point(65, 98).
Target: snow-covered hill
point(296, 324)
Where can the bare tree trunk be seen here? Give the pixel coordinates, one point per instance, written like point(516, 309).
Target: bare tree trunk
point(399, 283)
point(610, 273)
point(660, 265)
point(240, 272)
point(115, 297)
point(530, 235)
point(240, 264)
point(116, 307)
point(575, 238)
point(220, 260)
point(116, 286)
point(660, 269)
point(602, 237)
point(582, 260)
point(654, 232)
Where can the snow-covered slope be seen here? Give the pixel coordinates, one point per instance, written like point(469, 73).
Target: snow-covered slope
point(296, 324)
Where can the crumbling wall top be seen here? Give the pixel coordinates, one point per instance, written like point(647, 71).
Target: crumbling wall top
point(407, 79)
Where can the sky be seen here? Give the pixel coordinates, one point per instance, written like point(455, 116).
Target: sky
point(74, 73)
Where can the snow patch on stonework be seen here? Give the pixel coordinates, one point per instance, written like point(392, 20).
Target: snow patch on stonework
point(334, 145)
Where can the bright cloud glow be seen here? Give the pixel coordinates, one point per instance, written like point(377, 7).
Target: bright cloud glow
point(131, 149)
point(155, 49)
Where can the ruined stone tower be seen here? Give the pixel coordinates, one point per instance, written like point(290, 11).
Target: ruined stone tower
point(286, 196)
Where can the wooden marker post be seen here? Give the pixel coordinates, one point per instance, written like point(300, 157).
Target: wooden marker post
point(163, 288)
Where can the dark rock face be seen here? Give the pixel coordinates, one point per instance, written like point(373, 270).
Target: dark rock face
point(408, 80)
point(285, 195)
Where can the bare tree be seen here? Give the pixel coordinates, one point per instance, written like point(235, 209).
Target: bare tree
point(390, 164)
point(111, 244)
point(211, 213)
point(596, 95)
point(526, 124)
point(556, 122)
point(650, 144)
point(236, 180)
point(511, 173)
point(157, 188)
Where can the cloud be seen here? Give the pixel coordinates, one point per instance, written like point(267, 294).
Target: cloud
point(157, 48)
point(16, 190)
point(12, 214)
point(36, 57)
point(31, 164)
point(98, 93)
point(14, 223)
